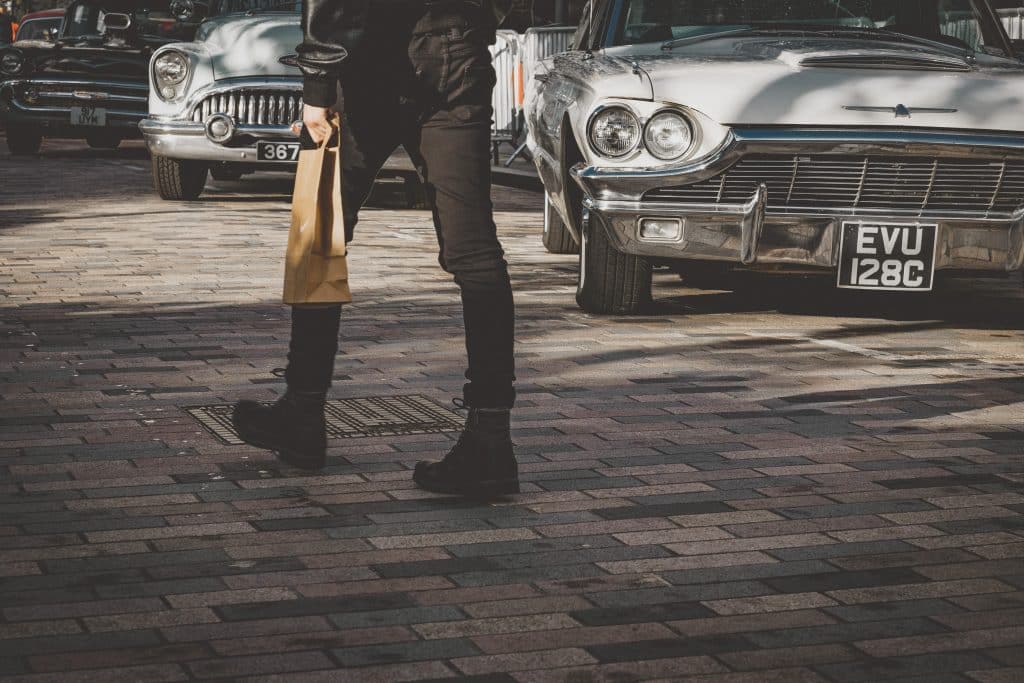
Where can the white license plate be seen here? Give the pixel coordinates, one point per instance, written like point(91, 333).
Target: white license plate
point(277, 151)
point(887, 256)
point(88, 116)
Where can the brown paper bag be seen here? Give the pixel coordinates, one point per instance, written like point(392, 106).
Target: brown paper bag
point(316, 270)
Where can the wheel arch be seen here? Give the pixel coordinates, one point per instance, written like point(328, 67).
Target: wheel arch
point(570, 155)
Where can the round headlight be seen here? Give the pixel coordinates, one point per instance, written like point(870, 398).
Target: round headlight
point(668, 135)
point(12, 62)
point(615, 132)
point(170, 68)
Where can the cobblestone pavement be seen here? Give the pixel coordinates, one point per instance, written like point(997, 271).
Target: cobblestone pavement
point(782, 483)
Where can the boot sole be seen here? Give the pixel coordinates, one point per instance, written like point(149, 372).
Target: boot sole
point(489, 488)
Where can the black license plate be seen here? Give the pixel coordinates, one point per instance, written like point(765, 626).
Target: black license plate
point(887, 256)
point(277, 151)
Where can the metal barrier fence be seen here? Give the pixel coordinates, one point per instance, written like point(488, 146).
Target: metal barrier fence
point(515, 57)
point(1013, 20)
point(505, 57)
point(964, 26)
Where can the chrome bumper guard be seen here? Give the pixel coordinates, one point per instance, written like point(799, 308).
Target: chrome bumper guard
point(751, 235)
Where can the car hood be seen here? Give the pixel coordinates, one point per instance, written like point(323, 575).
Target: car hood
point(241, 45)
point(807, 82)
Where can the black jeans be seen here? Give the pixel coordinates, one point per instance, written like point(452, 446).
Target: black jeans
point(431, 93)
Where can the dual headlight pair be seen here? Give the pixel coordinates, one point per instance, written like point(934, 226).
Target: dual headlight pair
point(615, 131)
point(170, 71)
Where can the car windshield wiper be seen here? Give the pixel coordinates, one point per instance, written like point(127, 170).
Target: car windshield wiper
point(759, 30)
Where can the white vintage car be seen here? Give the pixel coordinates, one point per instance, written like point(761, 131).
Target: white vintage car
point(880, 139)
point(225, 103)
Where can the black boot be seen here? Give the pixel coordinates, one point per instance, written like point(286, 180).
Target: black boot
point(294, 426)
point(480, 465)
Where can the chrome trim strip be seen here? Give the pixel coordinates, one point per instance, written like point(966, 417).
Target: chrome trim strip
point(79, 83)
point(138, 99)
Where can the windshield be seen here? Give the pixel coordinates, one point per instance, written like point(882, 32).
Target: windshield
point(962, 23)
point(38, 29)
point(218, 7)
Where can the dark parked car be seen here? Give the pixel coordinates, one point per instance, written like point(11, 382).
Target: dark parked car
point(92, 81)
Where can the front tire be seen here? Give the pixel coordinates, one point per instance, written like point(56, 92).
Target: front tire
point(610, 282)
point(103, 140)
point(557, 238)
point(179, 178)
point(24, 140)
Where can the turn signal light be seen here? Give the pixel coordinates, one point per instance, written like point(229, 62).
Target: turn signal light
point(661, 228)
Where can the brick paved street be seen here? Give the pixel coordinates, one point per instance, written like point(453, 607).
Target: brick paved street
point(780, 484)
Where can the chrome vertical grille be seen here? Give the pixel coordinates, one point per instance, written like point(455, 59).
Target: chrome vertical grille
point(252, 106)
point(841, 183)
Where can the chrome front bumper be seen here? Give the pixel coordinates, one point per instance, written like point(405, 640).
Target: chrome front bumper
point(53, 114)
point(745, 235)
point(187, 140)
point(751, 235)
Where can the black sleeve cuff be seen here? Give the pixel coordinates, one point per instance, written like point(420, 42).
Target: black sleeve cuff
point(319, 91)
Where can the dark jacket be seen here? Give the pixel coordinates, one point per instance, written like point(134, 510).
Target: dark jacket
point(335, 31)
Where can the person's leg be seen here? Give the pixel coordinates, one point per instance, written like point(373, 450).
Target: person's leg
point(452, 152)
point(294, 426)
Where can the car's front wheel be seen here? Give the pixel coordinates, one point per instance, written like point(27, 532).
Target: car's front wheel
point(24, 140)
point(610, 281)
point(557, 238)
point(179, 178)
point(103, 140)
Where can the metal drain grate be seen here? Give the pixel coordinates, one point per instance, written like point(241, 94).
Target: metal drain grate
point(349, 418)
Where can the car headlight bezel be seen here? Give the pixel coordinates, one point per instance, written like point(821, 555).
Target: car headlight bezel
point(168, 85)
point(6, 59)
point(598, 117)
point(650, 129)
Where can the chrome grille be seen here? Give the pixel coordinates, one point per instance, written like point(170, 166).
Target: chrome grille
point(124, 98)
point(252, 106)
point(802, 183)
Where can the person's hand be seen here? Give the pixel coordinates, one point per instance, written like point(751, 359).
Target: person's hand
point(316, 122)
